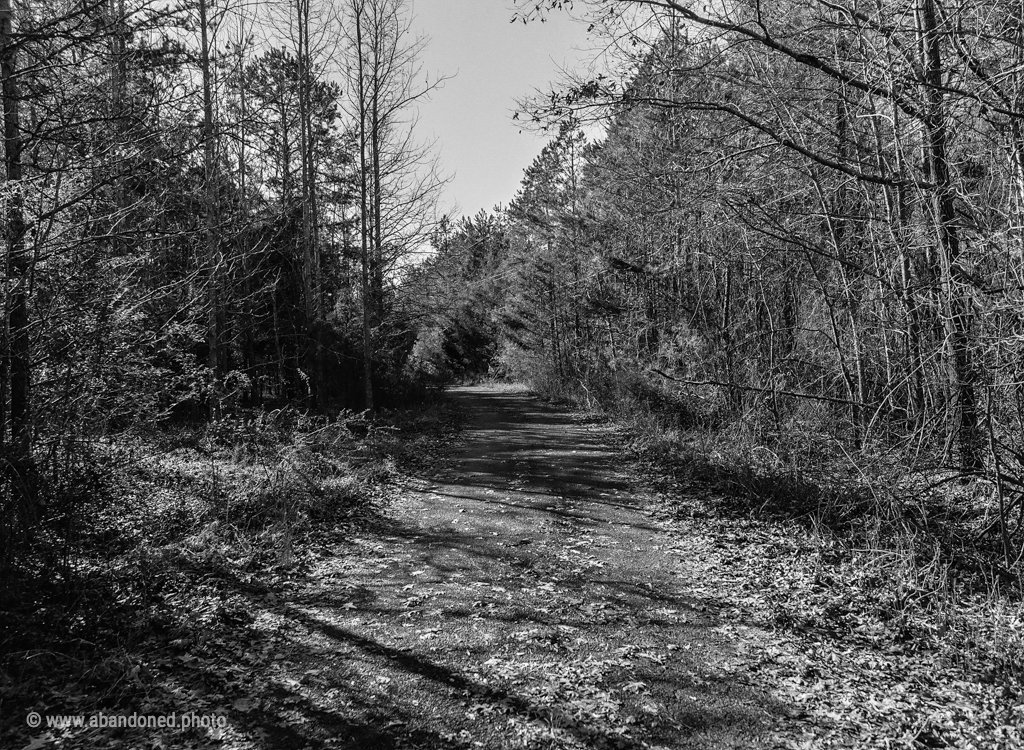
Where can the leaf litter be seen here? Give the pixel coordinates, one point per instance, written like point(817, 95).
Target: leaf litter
point(637, 627)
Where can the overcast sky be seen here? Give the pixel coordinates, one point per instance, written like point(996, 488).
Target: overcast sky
point(494, 63)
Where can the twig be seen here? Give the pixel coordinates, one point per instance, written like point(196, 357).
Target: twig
point(794, 394)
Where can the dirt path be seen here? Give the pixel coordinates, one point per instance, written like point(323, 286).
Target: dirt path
point(525, 592)
point(525, 600)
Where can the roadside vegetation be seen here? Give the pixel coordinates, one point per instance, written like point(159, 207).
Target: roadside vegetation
point(114, 609)
point(889, 579)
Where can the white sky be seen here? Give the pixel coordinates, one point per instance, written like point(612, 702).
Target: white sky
point(494, 63)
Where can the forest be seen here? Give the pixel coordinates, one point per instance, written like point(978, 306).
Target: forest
point(763, 286)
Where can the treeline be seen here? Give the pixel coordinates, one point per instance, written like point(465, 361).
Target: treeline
point(799, 214)
point(206, 208)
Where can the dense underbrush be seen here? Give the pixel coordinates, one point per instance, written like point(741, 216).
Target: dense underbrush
point(886, 556)
point(171, 520)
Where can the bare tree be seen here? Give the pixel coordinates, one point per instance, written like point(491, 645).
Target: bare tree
point(399, 181)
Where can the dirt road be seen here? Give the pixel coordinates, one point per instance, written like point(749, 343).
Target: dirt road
point(524, 600)
point(527, 591)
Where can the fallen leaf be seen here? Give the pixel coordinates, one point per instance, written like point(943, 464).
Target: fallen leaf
point(37, 742)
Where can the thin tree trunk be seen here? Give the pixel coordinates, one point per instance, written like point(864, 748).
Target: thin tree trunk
point(378, 249)
point(246, 318)
point(285, 154)
point(837, 223)
point(212, 245)
point(117, 83)
point(367, 312)
point(960, 368)
point(19, 365)
point(735, 396)
point(898, 217)
point(376, 142)
point(310, 273)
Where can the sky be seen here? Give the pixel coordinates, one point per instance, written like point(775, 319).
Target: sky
point(493, 63)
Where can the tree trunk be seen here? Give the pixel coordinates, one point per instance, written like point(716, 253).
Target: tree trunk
point(310, 269)
point(19, 358)
point(376, 141)
point(367, 312)
point(960, 368)
point(210, 206)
